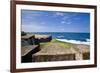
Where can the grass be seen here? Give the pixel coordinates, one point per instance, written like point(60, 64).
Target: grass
point(63, 44)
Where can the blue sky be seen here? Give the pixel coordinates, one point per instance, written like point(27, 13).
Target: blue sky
point(53, 21)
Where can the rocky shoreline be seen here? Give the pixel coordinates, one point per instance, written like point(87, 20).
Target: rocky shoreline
point(44, 49)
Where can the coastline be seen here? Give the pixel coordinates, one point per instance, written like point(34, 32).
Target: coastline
point(74, 41)
point(53, 49)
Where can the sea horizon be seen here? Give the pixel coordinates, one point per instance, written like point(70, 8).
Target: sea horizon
point(84, 37)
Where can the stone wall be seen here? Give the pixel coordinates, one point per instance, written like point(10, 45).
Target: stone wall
point(46, 58)
point(86, 56)
point(42, 38)
point(64, 57)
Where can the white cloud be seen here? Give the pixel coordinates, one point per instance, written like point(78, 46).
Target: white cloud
point(65, 17)
point(34, 14)
point(32, 28)
point(63, 22)
point(58, 14)
point(69, 22)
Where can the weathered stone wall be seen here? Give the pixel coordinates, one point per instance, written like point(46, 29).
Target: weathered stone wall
point(46, 58)
point(28, 56)
point(41, 40)
point(86, 56)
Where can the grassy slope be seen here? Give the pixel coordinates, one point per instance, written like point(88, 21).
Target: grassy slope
point(63, 44)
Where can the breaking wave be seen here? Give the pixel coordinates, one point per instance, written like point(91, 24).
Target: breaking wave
point(75, 41)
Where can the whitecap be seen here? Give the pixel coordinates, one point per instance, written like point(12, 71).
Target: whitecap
point(74, 41)
point(60, 36)
point(88, 40)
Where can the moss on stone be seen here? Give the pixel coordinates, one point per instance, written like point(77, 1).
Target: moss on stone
point(48, 44)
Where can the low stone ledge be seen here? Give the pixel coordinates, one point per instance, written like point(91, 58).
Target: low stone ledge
point(83, 50)
point(27, 51)
point(47, 58)
point(43, 38)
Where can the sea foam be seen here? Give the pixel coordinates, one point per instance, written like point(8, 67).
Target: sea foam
point(75, 41)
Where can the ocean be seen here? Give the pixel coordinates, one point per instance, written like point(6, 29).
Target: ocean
point(73, 37)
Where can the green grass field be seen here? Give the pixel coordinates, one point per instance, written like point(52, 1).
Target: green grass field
point(48, 44)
